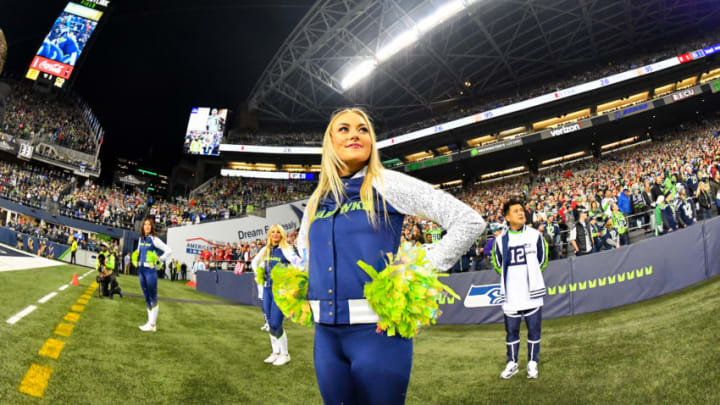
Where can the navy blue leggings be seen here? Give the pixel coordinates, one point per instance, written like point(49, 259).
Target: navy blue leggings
point(356, 365)
point(533, 319)
point(148, 284)
point(273, 314)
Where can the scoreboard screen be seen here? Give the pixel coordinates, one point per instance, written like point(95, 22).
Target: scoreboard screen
point(59, 52)
point(205, 131)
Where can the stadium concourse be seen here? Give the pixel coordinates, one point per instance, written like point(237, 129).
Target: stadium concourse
point(560, 159)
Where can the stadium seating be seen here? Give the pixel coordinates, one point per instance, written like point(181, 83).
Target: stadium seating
point(56, 126)
point(225, 198)
point(229, 197)
point(490, 101)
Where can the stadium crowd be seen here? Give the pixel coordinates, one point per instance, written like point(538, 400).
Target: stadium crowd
point(31, 185)
point(229, 197)
point(51, 119)
point(679, 165)
point(659, 186)
point(223, 198)
point(279, 138)
point(650, 188)
point(47, 232)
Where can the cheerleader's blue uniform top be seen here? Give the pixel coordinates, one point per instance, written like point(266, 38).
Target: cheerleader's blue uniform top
point(354, 363)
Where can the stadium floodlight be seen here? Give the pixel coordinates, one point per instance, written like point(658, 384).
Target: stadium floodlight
point(405, 39)
point(398, 43)
point(358, 72)
point(440, 15)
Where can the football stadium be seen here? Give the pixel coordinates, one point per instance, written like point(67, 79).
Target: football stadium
point(359, 202)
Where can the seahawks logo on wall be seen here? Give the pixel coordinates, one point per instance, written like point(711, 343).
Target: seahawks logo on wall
point(487, 295)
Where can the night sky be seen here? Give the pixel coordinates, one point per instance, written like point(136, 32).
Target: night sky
point(152, 61)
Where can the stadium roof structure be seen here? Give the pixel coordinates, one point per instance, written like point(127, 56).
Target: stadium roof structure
point(487, 45)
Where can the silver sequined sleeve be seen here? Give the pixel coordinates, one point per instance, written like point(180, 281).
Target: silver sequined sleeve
point(302, 238)
point(414, 197)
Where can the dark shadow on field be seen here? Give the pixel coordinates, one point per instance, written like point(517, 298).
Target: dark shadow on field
point(184, 301)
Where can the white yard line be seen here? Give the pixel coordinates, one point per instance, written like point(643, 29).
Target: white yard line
point(47, 297)
point(13, 319)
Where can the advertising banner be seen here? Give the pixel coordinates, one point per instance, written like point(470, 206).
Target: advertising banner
point(188, 241)
point(637, 109)
point(567, 129)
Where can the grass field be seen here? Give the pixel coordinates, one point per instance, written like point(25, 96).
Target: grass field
point(660, 351)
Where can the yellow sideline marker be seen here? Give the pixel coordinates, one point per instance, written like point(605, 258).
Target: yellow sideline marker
point(64, 329)
point(52, 348)
point(35, 380)
point(86, 296)
point(72, 317)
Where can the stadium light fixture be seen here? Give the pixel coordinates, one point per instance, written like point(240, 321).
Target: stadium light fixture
point(405, 39)
point(358, 72)
point(400, 42)
point(440, 15)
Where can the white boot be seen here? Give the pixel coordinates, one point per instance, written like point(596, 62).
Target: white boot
point(147, 324)
point(275, 348)
point(152, 323)
point(284, 357)
point(532, 370)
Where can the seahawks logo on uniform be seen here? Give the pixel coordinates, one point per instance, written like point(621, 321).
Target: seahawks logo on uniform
point(487, 295)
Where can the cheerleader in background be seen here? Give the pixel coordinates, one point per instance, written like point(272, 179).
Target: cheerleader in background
point(276, 251)
point(144, 259)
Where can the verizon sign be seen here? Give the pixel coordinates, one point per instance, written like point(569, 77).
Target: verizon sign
point(52, 67)
point(566, 130)
point(681, 95)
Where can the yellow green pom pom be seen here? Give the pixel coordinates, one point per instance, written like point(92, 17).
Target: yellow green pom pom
point(290, 287)
point(260, 276)
point(404, 294)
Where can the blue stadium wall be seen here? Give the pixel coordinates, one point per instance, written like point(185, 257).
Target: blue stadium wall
point(577, 285)
point(128, 236)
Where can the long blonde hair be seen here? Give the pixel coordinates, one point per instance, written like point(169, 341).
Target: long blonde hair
point(330, 182)
point(283, 241)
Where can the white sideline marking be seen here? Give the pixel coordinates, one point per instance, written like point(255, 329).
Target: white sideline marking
point(64, 287)
point(47, 297)
point(13, 319)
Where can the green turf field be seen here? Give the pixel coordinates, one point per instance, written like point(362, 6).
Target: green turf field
point(659, 351)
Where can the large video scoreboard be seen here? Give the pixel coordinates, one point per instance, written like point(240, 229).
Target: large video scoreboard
point(60, 50)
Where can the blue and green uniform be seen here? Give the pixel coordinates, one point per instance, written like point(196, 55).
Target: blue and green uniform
point(273, 314)
point(145, 259)
point(354, 364)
